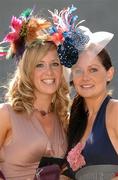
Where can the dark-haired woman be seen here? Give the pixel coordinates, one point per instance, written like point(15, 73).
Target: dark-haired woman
point(94, 117)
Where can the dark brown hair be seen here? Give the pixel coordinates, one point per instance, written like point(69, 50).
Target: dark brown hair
point(78, 116)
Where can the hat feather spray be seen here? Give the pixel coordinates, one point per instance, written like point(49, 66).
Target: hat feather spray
point(24, 30)
point(73, 39)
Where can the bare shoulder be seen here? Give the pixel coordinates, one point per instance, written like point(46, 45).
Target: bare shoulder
point(113, 113)
point(4, 109)
point(5, 125)
point(4, 116)
point(113, 106)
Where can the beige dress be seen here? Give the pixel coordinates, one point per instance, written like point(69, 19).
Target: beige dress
point(20, 158)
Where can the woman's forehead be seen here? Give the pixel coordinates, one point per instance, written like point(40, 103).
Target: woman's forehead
point(87, 61)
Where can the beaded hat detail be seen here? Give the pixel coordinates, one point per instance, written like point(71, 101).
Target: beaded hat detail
point(73, 39)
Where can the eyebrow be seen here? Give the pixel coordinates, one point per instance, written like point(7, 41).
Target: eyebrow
point(93, 65)
point(51, 60)
point(90, 66)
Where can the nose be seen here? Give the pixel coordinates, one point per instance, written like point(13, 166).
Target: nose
point(86, 76)
point(49, 69)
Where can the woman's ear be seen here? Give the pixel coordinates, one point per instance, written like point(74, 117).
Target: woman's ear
point(110, 74)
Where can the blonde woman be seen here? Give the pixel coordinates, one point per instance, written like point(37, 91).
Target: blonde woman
point(34, 118)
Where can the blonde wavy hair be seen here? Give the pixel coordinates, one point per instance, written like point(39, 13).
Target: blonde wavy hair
point(21, 88)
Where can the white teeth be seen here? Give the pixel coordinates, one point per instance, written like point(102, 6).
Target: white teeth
point(86, 86)
point(48, 81)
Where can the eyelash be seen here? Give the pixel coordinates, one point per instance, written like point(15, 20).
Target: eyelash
point(79, 72)
point(92, 70)
point(55, 64)
point(41, 65)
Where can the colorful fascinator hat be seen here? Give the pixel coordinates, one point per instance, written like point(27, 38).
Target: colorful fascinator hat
point(25, 30)
point(72, 39)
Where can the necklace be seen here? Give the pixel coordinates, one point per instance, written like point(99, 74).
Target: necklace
point(42, 112)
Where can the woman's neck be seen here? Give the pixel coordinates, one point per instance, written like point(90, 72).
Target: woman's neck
point(93, 104)
point(43, 103)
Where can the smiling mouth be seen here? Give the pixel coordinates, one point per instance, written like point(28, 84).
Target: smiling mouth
point(48, 81)
point(87, 86)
